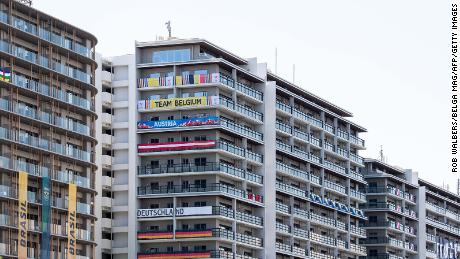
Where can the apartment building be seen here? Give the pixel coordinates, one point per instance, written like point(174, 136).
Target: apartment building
point(219, 158)
point(47, 136)
point(408, 217)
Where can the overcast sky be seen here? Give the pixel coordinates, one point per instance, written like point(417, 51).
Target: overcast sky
point(385, 61)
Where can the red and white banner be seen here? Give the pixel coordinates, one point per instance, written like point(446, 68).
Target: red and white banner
point(168, 146)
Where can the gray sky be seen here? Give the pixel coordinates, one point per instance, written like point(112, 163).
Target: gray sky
point(385, 61)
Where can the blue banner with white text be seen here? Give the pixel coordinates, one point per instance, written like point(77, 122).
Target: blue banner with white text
point(191, 122)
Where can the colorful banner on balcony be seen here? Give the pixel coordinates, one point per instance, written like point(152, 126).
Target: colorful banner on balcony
point(192, 122)
point(176, 255)
point(22, 221)
point(154, 235)
point(72, 223)
point(168, 212)
point(46, 208)
point(191, 234)
point(178, 80)
point(5, 74)
point(177, 102)
point(180, 145)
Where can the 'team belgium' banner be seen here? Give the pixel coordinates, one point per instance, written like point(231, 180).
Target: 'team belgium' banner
point(22, 222)
point(72, 223)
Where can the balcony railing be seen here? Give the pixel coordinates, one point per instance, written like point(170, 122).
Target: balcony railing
point(291, 190)
point(335, 186)
point(206, 167)
point(241, 129)
point(52, 92)
point(45, 144)
point(283, 127)
point(32, 57)
point(49, 118)
point(358, 195)
point(283, 208)
point(284, 248)
point(243, 88)
point(282, 227)
point(246, 111)
point(192, 188)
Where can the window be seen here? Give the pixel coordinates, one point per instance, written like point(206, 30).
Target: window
point(199, 227)
point(169, 249)
point(154, 140)
point(155, 75)
point(171, 96)
point(200, 161)
point(200, 138)
point(155, 118)
point(175, 55)
point(170, 205)
point(185, 117)
point(200, 204)
point(170, 162)
point(185, 95)
point(184, 204)
point(155, 164)
point(201, 94)
point(185, 139)
point(155, 97)
point(170, 139)
point(154, 228)
point(154, 206)
point(170, 118)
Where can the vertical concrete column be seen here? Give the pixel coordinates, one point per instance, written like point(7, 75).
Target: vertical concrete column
point(269, 170)
point(421, 228)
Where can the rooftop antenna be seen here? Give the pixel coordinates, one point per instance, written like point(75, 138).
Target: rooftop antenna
point(168, 26)
point(382, 157)
point(276, 61)
point(293, 73)
point(26, 2)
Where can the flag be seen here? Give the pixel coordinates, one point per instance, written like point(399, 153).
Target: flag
point(5, 74)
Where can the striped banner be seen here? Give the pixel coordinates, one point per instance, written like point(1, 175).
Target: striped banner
point(180, 145)
point(154, 235)
point(192, 234)
point(22, 221)
point(72, 223)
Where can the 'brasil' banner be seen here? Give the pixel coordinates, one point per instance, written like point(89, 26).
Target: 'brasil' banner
point(178, 123)
point(46, 207)
point(72, 223)
point(22, 220)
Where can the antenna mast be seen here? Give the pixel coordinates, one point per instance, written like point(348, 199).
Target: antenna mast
point(293, 73)
point(382, 157)
point(168, 26)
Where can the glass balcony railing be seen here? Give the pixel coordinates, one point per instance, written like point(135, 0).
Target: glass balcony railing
point(49, 118)
point(357, 159)
point(44, 34)
point(280, 227)
point(358, 195)
point(301, 232)
point(243, 88)
point(32, 57)
point(241, 129)
point(334, 186)
point(246, 111)
point(45, 89)
point(292, 171)
point(206, 167)
point(192, 188)
point(303, 116)
point(356, 176)
point(223, 145)
point(356, 140)
point(329, 128)
point(332, 166)
point(283, 127)
point(291, 190)
point(283, 208)
point(342, 134)
point(45, 144)
point(357, 230)
point(303, 136)
point(284, 248)
point(283, 107)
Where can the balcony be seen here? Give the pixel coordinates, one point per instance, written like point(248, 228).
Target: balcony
point(357, 159)
point(241, 129)
point(334, 167)
point(106, 223)
point(391, 207)
point(283, 208)
point(207, 188)
point(291, 190)
point(297, 173)
point(106, 120)
point(358, 249)
point(32, 57)
point(356, 141)
point(391, 242)
point(106, 161)
point(335, 187)
point(325, 221)
point(241, 109)
point(106, 78)
point(106, 182)
point(209, 233)
point(106, 98)
point(357, 231)
point(106, 202)
point(291, 250)
point(106, 140)
point(198, 145)
point(358, 195)
point(283, 127)
point(206, 167)
point(48, 118)
point(280, 227)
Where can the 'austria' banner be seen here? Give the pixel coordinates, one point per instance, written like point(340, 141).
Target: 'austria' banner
point(180, 145)
point(169, 212)
point(178, 123)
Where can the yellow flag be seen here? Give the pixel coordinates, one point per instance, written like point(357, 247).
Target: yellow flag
point(22, 221)
point(72, 223)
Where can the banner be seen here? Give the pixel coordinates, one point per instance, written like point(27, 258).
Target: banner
point(72, 223)
point(168, 212)
point(192, 122)
point(179, 145)
point(178, 80)
point(46, 207)
point(22, 219)
point(5, 74)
